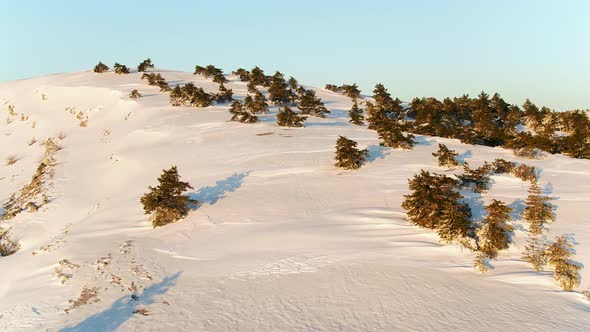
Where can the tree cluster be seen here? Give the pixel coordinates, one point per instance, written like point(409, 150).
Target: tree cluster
point(289, 118)
point(190, 95)
point(101, 68)
point(211, 71)
point(351, 91)
point(240, 114)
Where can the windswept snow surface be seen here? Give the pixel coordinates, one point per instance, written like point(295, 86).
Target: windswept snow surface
point(283, 239)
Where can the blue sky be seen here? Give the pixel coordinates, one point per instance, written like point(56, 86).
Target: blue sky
point(520, 48)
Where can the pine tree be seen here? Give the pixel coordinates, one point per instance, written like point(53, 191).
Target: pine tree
point(240, 114)
point(279, 94)
point(145, 65)
point(243, 74)
point(356, 115)
point(478, 177)
point(347, 154)
point(493, 235)
point(120, 69)
point(236, 110)
point(190, 95)
point(525, 172)
point(134, 94)
point(351, 91)
point(251, 87)
point(565, 271)
point(446, 157)
point(538, 211)
point(293, 84)
point(309, 103)
point(224, 95)
point(101, 68)
point(332, 87)
point(257, 77)
point(391, 135)
point(288, 118)
point(165, 202)
point(534, 253)
point(382, 98)
point(257, 104)
point(435, 204)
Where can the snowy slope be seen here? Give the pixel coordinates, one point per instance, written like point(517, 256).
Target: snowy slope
point(283, 240)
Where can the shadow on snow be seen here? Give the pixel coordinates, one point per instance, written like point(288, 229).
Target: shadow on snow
point(211, 194)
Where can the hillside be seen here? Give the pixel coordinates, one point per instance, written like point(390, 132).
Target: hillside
point(283, 240)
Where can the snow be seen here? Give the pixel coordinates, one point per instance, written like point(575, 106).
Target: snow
point(283, 239)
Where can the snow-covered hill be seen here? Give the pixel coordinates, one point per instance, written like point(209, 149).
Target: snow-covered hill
point(283, 239)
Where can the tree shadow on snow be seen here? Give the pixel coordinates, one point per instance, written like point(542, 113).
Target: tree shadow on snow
point(424, 140)
point(124, 308)
point(463, 156)
point(211, 194)
point(377, 152)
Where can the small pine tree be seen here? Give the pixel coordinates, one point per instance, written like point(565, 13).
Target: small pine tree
point(356, 115)
point(480, 263)
point(8, 246)
point(165, 202)
point(478, 177)
point(391, 135)
point(435, 204)
point(145, 65)
point(251, 87)
point(293, 84)
point(134, 94)
point(120, 69)
point(525, 172)
point(224, 95)
point(288, 118)
point(309, 103)
point(347, 154)
point(240, 114)
point(534, 253)
point(493, 235)
point(259, 105)
point(101, 68)
point(565, 271)
point(538, 211)
point(446, 157)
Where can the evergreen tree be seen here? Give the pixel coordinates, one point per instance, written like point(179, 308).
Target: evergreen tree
point(120, 69)
point(243, 74)
point(293, 84)
point(101, 68)
point(478, 177)
point(446, 157)
point(525, 172)
point(534, 253)
point(278, 91)
point(240, 114)
point(224, 95)
point(493, 235)
point(391, 135)
point(565, 271)
point(190, 95)
point(288, 118)
point(251, 87)
point(166, 202)
point(356, 115)
point(351, 91)
point(347, 154)
point(435, 204)
point(382, 97)
point(135, 94)
point(145, 65)
point(257, 104)
point(309, 103)
point(538, 211)
point(257, 77)
point(501, 166)
point(332, 87)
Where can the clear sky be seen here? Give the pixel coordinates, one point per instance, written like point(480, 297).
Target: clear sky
point(520, 48)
